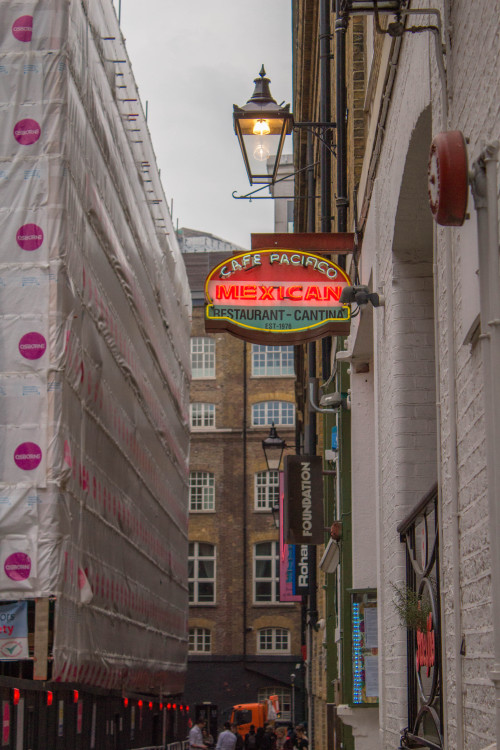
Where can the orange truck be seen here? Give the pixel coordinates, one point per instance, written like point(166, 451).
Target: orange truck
point(258, 714)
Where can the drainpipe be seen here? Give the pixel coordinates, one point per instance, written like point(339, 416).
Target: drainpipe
point(311, 185)
point(341, 101)
point(325, 112)
point(244, 501)
point(484, 189)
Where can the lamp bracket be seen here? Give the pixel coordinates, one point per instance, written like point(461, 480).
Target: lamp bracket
point(319, 130)
point(250, 196)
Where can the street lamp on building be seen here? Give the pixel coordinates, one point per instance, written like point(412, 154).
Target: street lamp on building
point(262, 126)
point(275, 510)
point(273, 447)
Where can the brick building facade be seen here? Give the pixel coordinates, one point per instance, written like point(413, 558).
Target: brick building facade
point(244, 644)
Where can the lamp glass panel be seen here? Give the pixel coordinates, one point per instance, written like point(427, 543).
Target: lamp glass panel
point(273, 456)
point(248, 126)
point(261, 151)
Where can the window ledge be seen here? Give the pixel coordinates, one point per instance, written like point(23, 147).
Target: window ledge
point(202, 604)
point(273, 652)
point(273, 377)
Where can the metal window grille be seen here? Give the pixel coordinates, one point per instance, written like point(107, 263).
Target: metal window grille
point(420, 534)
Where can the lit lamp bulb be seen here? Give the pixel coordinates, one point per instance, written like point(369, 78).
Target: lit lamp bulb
point(261, 127)
point(261, 153)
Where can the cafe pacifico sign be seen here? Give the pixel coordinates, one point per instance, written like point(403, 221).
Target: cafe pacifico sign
point(277, 296)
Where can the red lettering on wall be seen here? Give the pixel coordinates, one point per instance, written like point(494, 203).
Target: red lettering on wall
point(426, 647)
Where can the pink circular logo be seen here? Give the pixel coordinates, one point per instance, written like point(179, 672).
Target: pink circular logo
point(28, 456)
point(22, 28)
point(32, 345)
point(27, 131)
point(29, 237)
point(18, 566)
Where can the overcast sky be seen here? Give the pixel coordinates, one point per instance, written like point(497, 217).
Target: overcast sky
point(192, 60)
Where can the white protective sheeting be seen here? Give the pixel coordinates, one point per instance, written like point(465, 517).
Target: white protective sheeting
point(94, 354)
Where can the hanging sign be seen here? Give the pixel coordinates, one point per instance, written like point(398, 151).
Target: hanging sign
point(277, 296)
point(302, 569)
point(303, 508)
point(287, 557)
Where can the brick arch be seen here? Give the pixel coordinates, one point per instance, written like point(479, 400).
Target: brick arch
point(413, 226)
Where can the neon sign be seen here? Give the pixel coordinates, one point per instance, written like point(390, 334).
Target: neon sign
point(277, 296)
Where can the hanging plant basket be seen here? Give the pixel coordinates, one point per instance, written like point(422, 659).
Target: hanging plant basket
point(412, 609)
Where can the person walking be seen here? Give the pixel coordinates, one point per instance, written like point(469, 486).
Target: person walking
point(240, 744)
point(291, 737)
point(226, 739)
point(195, 738)
point(268, 740)
point(259, 734)
point(208, 739)
point(301, 742)
point(251, 739)
point(280, 733)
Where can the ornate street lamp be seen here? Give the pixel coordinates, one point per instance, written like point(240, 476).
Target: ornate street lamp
point(275, 510)
point(273, 447)
point(262, 126)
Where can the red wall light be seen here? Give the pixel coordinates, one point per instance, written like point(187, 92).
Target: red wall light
point(174, 707)
point(187, 708)
point(181, 708)
point(125, 702)
point(169, 706)
point(139, 703)
point(50, 697)
point(161, 706)
point(16, 695)
point(150, 705)
point(76, 695)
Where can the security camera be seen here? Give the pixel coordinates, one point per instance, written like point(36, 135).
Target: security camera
point(361, 295)
point(332, 400)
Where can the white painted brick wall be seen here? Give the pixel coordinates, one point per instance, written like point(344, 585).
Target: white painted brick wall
point(404, 373)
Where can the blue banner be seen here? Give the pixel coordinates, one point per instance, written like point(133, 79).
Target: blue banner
point(14, 631)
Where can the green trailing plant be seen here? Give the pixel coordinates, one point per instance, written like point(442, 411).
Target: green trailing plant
point(412, 609)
